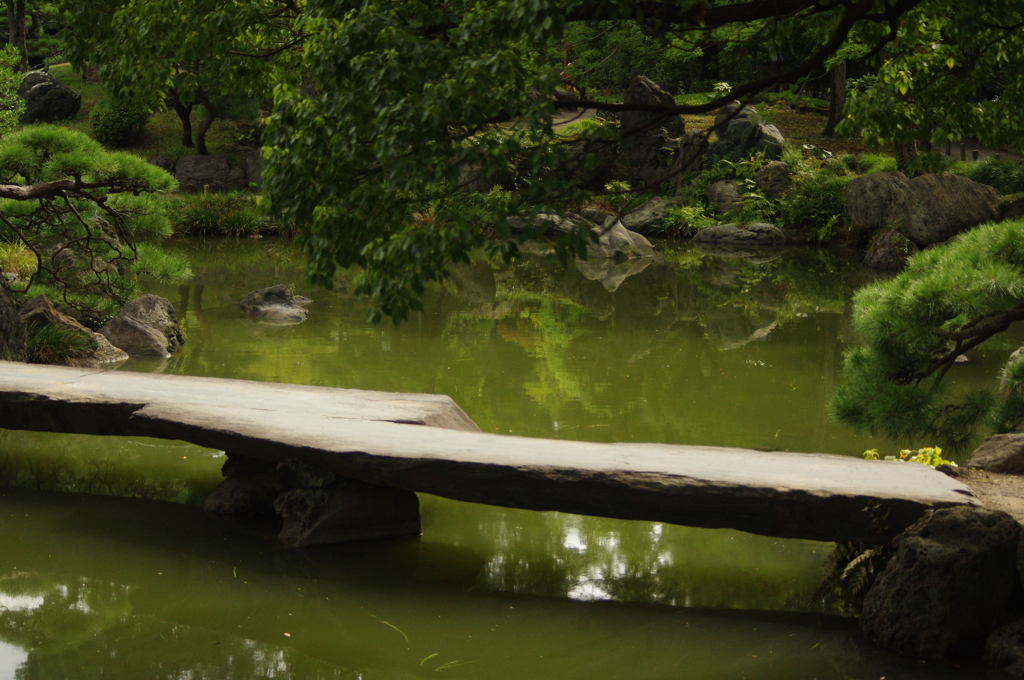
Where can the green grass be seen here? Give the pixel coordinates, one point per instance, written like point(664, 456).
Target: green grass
point(222, 214)
point(163, 134)
point(16, 259)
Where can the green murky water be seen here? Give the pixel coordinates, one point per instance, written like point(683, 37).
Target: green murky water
point(698, 350)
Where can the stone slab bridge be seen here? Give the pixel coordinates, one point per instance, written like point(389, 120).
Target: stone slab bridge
point(340, 464)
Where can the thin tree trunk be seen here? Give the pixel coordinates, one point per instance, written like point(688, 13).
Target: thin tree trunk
point(837, 97)
point(16, 29)
point(205, 124)
point(907, 160)
point(185, 114)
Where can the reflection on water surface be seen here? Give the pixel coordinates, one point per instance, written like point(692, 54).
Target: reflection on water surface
point(696, 349)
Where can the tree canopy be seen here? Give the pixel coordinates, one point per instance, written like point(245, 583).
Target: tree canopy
point(384, 109)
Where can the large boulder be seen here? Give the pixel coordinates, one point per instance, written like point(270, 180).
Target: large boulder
point(741, 131)
point(953, 573)
point(773, 179)
point(1012, 209)
point(195, 173)
point(647, 130)
point(889, 250)
point(756, 234)
point(1004, 649)
point(346, 510)
point(13, 337)
point(1000, 453)
point(147, 326)
point(615, 241)
point(41, 311)
point(724, 195)
point(47, 100)
point(649, 218)
point(275, 304)
point(644, 134)
point(690, 157)
point(927, 209)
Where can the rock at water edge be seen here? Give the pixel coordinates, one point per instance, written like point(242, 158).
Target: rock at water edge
point(953, 573)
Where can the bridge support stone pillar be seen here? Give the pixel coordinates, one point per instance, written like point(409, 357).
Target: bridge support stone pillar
point(315, 505)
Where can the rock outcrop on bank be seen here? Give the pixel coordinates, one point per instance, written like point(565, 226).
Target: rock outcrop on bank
point(741, 131)
point(40, 311)
point(928, 209)
point(889, 250)
point(146, 327)
point(952, 576)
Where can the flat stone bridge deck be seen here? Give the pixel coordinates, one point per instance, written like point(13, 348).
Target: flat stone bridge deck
point(426, 443)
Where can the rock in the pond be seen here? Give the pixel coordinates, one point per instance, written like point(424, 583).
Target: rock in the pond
point(741, 131)
point(47, 100)
point(1000, 453)
point(615, 241)
point(249, 489)
point(13, 337)
point(41, 311)
point(756, 234)
point(649, 218)
point(939, 597)
point(1004, 649)
point(889, 250)
point(724, 195)
point(347, 511)
point(929, 209)
point(146, 327)
point(299, 475)
point(275, 304)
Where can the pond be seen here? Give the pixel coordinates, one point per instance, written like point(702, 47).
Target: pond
point(98, 577)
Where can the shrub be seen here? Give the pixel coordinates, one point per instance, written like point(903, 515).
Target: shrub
point(225, 214)
point(868, 163)
point(117, 125)
point(1006, 177)
point(686, 220)
point(817, 204)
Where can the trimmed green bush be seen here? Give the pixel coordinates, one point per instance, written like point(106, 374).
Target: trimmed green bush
point(117, 125)
point(224, 214)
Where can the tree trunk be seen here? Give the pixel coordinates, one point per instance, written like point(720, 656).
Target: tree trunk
point(907, 160)
point(205, 124)
point(185, 114)
point(16, 29)
point(837, 97)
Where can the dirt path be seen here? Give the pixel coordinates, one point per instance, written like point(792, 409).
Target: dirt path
point(569, 117)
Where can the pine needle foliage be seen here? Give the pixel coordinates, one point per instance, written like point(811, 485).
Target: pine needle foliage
point(912, 328)
point(89, 217)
